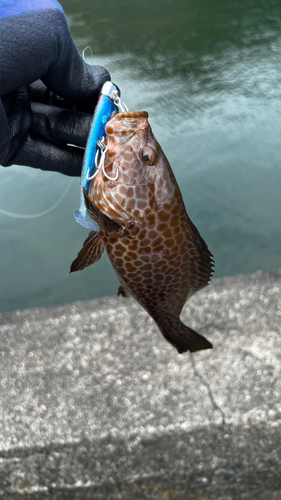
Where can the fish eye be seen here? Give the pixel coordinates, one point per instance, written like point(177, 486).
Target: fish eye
point(148, 155)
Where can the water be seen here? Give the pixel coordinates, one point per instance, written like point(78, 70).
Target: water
point(209, 74)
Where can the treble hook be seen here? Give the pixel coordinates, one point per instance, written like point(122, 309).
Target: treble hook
point(100, 165)
point(107, 176)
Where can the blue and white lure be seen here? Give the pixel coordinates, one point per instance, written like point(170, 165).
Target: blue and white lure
point(109, 101)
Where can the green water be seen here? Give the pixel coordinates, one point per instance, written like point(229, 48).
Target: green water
point(209, 74)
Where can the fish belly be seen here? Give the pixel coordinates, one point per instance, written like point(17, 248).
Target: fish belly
point(155, 274)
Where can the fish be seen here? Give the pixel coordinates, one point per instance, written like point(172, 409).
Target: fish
point(156, 251)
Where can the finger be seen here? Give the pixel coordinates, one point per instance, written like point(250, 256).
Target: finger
point(44, 49)
point(38, 153)
point(38, 92)
point(60, 126)
point(69, 76)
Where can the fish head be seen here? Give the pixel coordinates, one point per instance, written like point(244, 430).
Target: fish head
point(132, 147)
point(137, 176)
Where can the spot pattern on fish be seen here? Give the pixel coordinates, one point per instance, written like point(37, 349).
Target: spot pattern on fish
point(157, 252)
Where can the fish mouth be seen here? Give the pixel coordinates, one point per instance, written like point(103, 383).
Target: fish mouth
point(128, 123)
point(133, 114)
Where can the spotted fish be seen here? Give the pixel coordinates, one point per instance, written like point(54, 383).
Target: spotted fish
point(158, 254)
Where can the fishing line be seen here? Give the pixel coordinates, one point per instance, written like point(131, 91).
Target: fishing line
point(38, 214)
point(88, 48)
point(50, 209)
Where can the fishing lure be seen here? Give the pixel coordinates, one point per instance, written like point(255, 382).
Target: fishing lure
point(109, 101)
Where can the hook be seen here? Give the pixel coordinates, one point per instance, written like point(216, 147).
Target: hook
point(122, 108)
point(103, 148)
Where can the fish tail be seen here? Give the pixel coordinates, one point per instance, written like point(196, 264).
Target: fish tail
point(182, 337)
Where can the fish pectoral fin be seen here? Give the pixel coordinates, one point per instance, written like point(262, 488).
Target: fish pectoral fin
point(109, 225)
point(91, 236)
point(122, 292)
point(113, 227)
point(181, 336)
point(90, 253)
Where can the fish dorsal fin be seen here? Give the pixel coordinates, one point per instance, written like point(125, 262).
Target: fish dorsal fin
point(90, 253)
point(203, 264)
point(109, 225)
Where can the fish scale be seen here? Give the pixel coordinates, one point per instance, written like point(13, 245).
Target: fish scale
point(157, 252)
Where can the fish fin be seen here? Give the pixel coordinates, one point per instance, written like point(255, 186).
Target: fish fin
point(181, 336)
point(90, 253)
point(91, 235)
point(112, 226)
point(100, 218)
point(204, 262)
point(122, 292)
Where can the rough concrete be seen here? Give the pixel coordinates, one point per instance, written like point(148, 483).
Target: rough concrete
point(95, 404)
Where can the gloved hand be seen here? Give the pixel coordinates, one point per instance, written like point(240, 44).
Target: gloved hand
point(48, 93)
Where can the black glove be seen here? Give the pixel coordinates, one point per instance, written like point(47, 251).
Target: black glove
point(38, 118)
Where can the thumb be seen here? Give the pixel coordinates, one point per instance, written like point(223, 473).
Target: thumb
point(69, 76)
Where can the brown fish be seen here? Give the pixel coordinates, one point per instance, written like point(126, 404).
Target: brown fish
point(157, 253)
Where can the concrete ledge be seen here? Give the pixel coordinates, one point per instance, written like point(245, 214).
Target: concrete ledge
point(95, 404)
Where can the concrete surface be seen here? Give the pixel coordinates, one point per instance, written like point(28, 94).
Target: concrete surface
point(95, 404)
